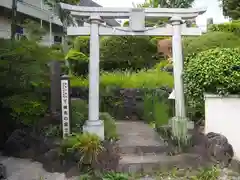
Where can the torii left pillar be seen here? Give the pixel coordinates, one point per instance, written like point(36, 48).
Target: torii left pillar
point(94, 124)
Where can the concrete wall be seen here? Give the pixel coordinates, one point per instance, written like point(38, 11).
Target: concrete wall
point(222, 115)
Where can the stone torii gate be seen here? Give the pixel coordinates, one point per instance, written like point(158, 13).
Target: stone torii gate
point(176, 28)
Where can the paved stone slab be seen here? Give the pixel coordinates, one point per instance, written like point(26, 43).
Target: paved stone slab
point(137, 134)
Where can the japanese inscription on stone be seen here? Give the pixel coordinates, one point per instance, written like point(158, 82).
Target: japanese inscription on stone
point(65, 108)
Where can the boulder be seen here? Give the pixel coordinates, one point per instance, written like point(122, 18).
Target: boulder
point(17, 142)
point(218, 148)
point(3, 172)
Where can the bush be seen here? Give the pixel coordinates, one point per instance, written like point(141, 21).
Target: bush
point(78, 62)
point(26, 107)
point(232, 27)
point(110, 130)
point(211, 72)
point(127, 52)
point(79, 114)
point(23, 71)
point(82, 44)
point(86, 145)
point(141, 79)
point(210, 40)
point(156, 111)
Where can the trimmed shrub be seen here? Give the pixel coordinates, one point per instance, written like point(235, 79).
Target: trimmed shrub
point(127, 52)
point(211, 71)
point(232, 27)
point(210, 40)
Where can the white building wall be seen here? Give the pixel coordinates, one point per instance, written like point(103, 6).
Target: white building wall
point(222, 115)
point(32, 8)
point(5, 32)
point(5, 28)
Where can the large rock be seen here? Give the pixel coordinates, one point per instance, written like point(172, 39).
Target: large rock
point(18, 142)
point(3, 173)
point(23, 140)
point(219, 149)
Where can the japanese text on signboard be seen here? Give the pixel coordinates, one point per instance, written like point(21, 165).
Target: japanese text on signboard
point(65, 108)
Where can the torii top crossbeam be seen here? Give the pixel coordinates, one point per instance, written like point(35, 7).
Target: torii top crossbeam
point(119, 13)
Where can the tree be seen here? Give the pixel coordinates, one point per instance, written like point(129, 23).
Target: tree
point(34, 30)
point(167, 3)
point(231, 8)
point(54, 2)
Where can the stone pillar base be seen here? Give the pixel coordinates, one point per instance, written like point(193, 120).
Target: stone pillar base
point(95, 127)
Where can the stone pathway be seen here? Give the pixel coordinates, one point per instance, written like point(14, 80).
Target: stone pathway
point(25, 169)
point(142, 150)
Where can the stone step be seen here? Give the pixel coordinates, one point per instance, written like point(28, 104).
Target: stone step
point(142, 150)
point(156, 162)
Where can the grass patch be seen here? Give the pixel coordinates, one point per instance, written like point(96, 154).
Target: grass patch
point(126, 79)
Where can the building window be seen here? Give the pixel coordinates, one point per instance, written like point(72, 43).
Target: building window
point(57, 39)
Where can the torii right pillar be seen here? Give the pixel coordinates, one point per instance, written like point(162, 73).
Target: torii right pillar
point(177, 55)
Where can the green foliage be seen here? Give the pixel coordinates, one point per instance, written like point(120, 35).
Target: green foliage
point(23, 71)
point(78, 56)
point(232, 27)
point(141, 79)
point(155, 39)
point(210, 40)
point(127, 52)
point(115, 176)
point(155, 110)
point(86, 144)
point(54, 2)
point(78, 62)
point(52, 131)
point(82, 44)
point(79, 114)
point(163, 65)
point(110, 130)
point(26, 107)
point(212, 173)
point(34, 30)
point(211, 72)
point(168, 4)
point(231, 8)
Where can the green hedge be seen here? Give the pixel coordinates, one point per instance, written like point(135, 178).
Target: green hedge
point(232, 27)
point(211, 72)
point(210, 40)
